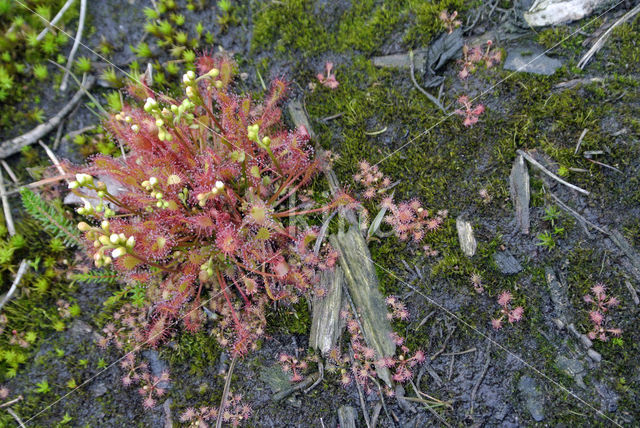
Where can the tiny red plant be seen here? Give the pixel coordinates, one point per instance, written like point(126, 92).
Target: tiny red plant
point(328, 80)
point(472, 56)
point(513, 315)
point(471, 114)
point(449, 20)
point(601, 303)
point(293, 365)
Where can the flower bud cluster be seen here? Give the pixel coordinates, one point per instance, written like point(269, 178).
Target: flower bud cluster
point(152, 107)
point(83, 180)
point(215, 190)
point(150, 186)
point(206, 270)
point(118, 243)
point(253, 135)
point(128, 119)
point(80, 181)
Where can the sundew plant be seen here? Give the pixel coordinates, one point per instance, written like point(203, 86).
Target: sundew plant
point(200, 212)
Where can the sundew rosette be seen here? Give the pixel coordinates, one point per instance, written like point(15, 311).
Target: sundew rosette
point(205, 197)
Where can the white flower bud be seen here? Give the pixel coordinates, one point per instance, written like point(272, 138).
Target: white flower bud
point(131, 242)
point(74, 185)
point(104, 225)
point(104, 240)
point(219, 185)
point(120, 251)
point(153, 181)
point(114, 238)
point(84, 227)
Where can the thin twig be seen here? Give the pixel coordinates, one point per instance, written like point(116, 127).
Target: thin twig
point(55, 20)
point(40, 183)
point(603, 39)
point(13, 146)
point(362, 403)
point(474, 391)
point(76, 43)
point(21, 270)
point(225, 392)
point(9, 171)
point(301, 385)
point(320, 377)
point(8, 218)
point(576, 215)
point(16, 417)
point(418, 87)
point(604, 165)
point(447, 354)
point(444, 345)
point(584, 132)
point(538, 165)
point(427, 405)
point(10, 402)
point(53, 157)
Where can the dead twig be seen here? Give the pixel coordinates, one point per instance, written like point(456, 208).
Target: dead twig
point(10, 402)
point(363, 405)
point(320, 377)
point(375, 415)
point(538, 165)
point(305, 383)
point(13, 146)
point(428, 405)
point(168, 420)
point(474, 391)
point(444, 345)
point(55, 20)
point(603, 39)
point(604, 165)
point(447, 354)
point(7, 168)
point(576, 215)
point(225, 392)
point(21, 270)
point(76, 43)
point(634, 293)
point(8, 218)
point(16, 417)
point(584, 132)
point(433, 99)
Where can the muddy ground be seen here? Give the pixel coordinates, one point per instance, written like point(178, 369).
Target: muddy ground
point(532, 373)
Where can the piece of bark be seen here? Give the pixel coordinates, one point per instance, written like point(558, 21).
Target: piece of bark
point(507, 264)
point(558, 294)
point(468, 242)
point(402, 60)
point(325, 322)
point(520, 193)
point(362, 283)
point(299, 117)
point(347, 417)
